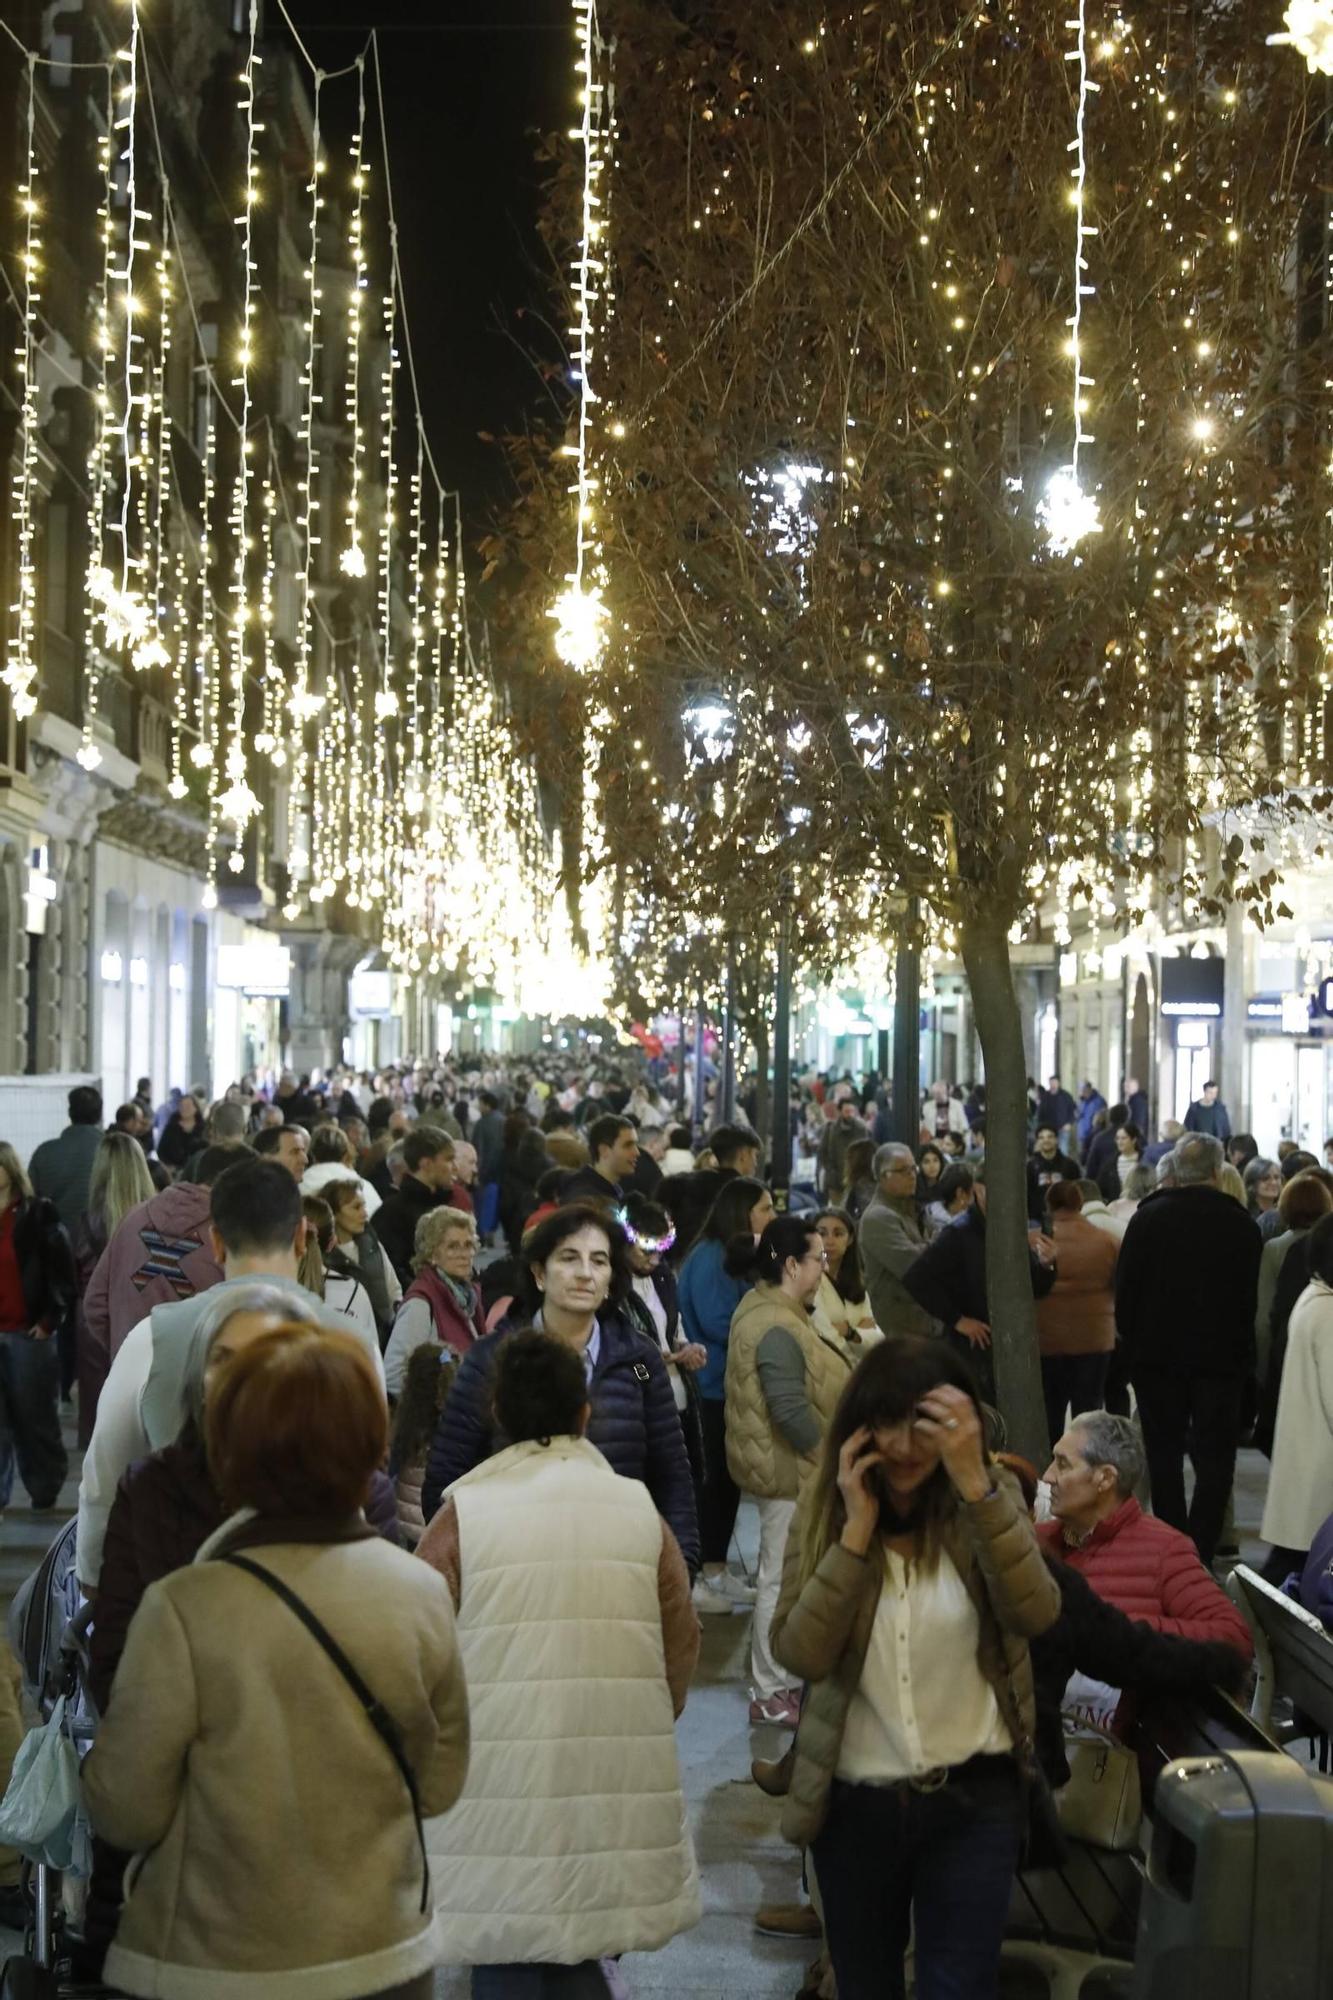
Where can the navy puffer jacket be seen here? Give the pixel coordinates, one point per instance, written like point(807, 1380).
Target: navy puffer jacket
point(634, 1424)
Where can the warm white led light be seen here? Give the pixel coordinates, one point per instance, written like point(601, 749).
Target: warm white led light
point(20, 670)
point(352, 561)
point(1310, 32)
point(579, 613)
point(237, 804)
point(1067, 511)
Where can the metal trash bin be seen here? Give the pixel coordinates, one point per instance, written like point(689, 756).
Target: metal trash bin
point(1238, 1902)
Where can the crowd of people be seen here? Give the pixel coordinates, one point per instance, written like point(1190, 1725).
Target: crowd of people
point(435, 1395)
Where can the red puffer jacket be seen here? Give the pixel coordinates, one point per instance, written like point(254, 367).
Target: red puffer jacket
point(1153, 1572)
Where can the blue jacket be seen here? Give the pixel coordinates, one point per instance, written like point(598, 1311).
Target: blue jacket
point(1088, 1107)
point(708, 1298)
point(634, 1424)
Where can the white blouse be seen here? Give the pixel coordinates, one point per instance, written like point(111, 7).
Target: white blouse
point(922, 1701)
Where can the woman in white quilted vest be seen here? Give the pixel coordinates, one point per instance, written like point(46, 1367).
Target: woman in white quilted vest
point(784, 1378)
point(569, 1844)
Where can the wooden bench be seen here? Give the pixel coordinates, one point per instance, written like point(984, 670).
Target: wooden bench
point(1293, 1654)
point(1077, 1925)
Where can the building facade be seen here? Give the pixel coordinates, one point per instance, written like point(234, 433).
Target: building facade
point(122, 954)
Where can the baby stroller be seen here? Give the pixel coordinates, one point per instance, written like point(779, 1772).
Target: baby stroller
point(48, 1628)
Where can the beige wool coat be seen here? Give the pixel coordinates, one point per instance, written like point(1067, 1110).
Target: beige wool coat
point(276, 1853)
point(821, 1631)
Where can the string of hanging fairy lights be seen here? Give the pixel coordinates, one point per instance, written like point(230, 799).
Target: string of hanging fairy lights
point(353, 558)
point(238, 803)
point(1069, 513)
point(378, 757)
point(97, 579)
point(580, 611)
point(20, 672)
point(305, 705)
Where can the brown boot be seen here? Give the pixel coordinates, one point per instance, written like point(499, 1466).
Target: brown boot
point(788, 1920)
point(775, 1778)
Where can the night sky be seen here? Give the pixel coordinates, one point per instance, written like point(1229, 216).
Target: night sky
point(469, 84)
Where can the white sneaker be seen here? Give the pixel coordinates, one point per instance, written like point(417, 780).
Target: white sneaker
point(711, 1602)
point(737, 1588)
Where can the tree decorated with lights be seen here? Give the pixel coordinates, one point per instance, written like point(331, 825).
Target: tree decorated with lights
point(963, 441)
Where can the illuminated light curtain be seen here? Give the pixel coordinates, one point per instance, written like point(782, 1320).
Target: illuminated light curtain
point(1068, 511)
point(305, 704)
point(98, 580)
point(353, 558)
point(154, 650)
point(20, 673)
point(580, 611)
point(238, 803)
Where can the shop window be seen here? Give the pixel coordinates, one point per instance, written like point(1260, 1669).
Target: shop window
point(32, 1038)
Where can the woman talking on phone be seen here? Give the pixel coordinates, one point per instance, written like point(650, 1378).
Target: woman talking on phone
point(911, 1587)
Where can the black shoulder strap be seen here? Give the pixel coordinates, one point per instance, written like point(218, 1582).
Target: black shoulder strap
point(380, 1720)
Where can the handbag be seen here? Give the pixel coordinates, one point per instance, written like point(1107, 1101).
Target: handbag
point(40, 1813)
point(1102, 1804)
point(379, 1718)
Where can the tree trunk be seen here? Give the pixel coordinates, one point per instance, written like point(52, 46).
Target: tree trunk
point(906, 1115)
point(1013, 1320)
point(762, 1095)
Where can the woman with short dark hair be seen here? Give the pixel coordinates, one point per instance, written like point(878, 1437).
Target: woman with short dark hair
point(263, 1662)
point(574, 1283)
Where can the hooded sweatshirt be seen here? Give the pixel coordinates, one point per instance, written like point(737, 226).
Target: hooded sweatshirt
point(160, 1254)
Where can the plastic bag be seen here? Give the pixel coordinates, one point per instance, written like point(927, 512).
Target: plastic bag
point(39, 1814)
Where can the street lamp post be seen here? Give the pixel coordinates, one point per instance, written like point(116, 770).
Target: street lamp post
point(906, 1119)
point(780, 1170)
point(700, 1087)
point(728, 1098)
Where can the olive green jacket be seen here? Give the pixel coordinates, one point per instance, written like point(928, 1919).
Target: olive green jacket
point(821, 1633)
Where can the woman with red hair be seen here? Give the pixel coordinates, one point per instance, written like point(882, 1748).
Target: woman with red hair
point(285, 1712)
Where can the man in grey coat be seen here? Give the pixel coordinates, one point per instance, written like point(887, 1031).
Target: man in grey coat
point(61, 1169)
point(890, 1240)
